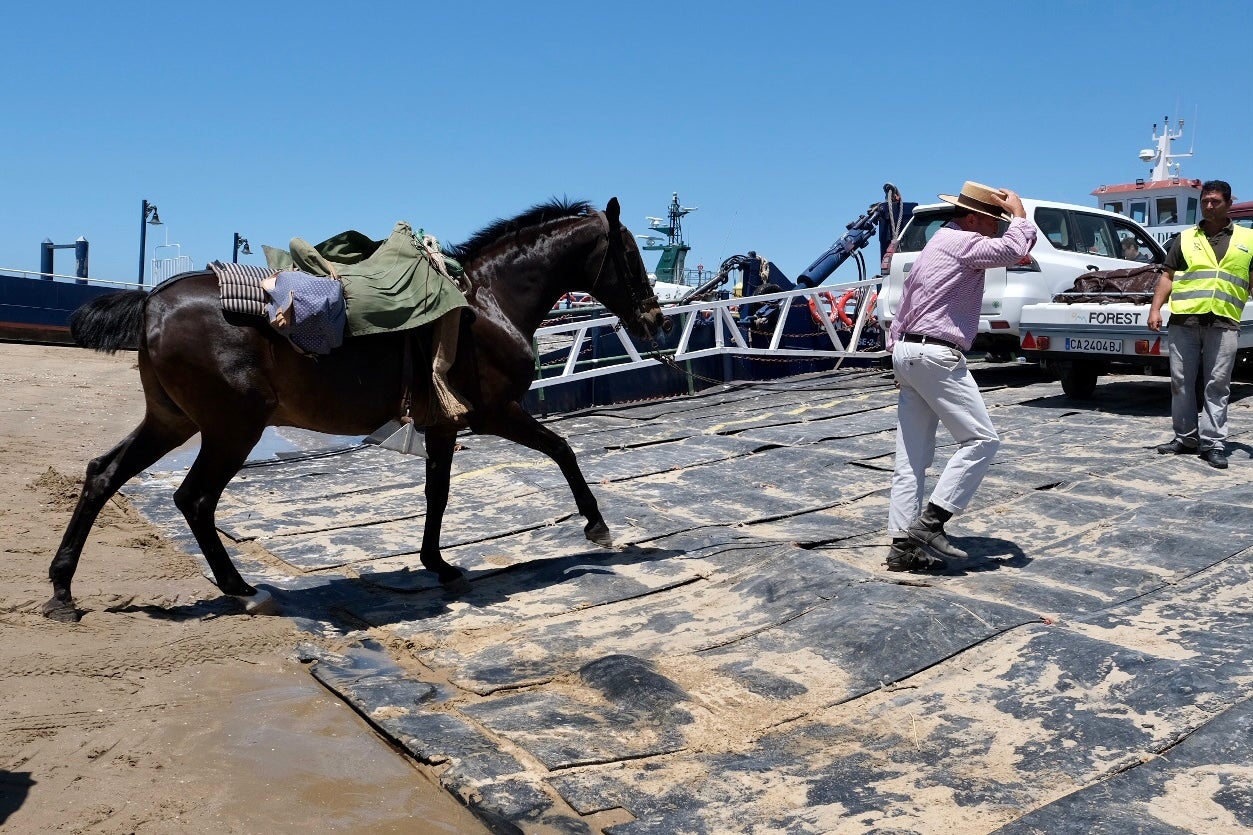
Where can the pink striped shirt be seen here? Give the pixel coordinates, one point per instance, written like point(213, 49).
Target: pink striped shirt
point(944, 289)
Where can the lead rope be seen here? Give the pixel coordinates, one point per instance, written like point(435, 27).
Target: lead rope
point(655, 349)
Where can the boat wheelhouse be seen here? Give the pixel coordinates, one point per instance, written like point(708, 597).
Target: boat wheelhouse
point(1164, 203)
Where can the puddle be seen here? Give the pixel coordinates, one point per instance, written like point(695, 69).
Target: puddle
point(276, 442)
point(290, 753)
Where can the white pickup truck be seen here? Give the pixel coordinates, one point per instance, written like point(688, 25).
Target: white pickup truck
point(1070, 239)
point(1081, 342)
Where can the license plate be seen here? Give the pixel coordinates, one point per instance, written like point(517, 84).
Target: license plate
point(1094, 346)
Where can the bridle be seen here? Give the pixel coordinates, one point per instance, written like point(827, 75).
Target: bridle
point(640, 305)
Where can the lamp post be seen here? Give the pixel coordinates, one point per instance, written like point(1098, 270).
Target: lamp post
point(149, 210)
point(241, 245)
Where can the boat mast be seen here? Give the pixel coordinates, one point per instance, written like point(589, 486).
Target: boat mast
point(1164, 165)
point(674, 251)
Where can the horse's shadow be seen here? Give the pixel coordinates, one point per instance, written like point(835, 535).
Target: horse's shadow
point(384, 598)
point(209, 607)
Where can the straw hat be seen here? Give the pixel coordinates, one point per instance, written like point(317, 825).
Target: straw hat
point(978, 198)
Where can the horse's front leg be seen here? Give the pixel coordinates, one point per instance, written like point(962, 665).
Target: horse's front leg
point(520, 427)
point(440, 443)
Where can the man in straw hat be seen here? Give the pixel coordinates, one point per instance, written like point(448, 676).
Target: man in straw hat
point(937, 321)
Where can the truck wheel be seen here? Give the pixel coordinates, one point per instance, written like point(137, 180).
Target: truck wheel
point(1078, 380)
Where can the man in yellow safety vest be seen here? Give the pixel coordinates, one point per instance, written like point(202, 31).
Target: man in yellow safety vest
point(1207, 283)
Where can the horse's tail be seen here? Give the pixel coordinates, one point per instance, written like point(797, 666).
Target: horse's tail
point(110, 323)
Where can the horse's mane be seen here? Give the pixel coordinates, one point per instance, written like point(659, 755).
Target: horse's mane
point(556, 208)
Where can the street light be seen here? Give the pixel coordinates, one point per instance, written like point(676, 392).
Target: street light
point(150, 211)
point(241, 245)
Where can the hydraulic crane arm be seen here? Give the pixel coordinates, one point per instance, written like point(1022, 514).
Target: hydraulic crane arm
point(859, 233)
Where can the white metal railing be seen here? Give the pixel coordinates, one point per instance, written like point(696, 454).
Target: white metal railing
point(100, 282)
point(727, 337)
point(164, 269)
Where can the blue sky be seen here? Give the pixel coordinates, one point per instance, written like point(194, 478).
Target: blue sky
point(781, 122)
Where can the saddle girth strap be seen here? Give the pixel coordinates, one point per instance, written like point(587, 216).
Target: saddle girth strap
point(406, 378)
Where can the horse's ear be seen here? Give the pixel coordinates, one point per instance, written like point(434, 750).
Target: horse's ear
point(612, 211)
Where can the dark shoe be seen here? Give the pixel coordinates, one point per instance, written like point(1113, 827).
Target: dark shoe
point(928, 531)
point(1175, 447)
point(1215, 457)
point(906, 556)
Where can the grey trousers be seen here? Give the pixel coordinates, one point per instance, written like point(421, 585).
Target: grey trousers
point(936, 387)
point(1211, 352)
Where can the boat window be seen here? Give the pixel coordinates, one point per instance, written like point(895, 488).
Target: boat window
point(1095, 236)
point(1167, 211)
point(1052, 223)
point(1116, 208)
point(1190, 217)
point(1139, 212)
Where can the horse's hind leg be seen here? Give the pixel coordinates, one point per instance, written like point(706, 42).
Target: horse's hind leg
point(154, 437)
point(440, 443)
point(520, 427)
point(222, 454)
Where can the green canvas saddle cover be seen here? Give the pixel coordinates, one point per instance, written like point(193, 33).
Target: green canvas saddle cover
point(392, 285)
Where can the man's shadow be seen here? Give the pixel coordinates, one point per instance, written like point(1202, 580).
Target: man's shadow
point(14, 787)
point(986, 553)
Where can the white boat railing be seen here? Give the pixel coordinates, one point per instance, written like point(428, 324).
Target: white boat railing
point(728, 339)
point(72, 279)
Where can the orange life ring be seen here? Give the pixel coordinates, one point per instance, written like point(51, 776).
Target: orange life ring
point(839, 308)
point(874, 297)
point(816, 312)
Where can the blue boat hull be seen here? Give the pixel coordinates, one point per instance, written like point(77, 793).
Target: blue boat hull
point(38, 310)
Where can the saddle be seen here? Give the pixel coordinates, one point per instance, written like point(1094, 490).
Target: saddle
point(398, 284)
point(391, 285)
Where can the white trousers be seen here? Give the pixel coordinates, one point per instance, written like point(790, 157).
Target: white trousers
point(936, 387)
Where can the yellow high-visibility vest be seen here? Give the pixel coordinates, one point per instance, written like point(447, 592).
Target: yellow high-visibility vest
point(1208, 286)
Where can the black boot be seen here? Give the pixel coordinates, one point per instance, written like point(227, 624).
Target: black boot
point(904, 555)
point(928, 531)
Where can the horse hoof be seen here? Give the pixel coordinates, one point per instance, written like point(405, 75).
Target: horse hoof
point(261, 603)
point(61, 611)
point(599, 534)
point(457, 585)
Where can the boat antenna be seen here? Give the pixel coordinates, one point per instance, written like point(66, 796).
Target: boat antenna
point(1161, 157)
point(727, 237)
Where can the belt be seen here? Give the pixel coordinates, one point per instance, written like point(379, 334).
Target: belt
point(917, 337)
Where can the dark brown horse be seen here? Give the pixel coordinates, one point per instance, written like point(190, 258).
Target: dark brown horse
point(228, 378)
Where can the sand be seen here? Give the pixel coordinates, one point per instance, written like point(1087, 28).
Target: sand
point(164, 709)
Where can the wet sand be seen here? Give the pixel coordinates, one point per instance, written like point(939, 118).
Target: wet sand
point(163, 710)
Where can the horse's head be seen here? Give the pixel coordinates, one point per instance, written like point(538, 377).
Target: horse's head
point(620, 280)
